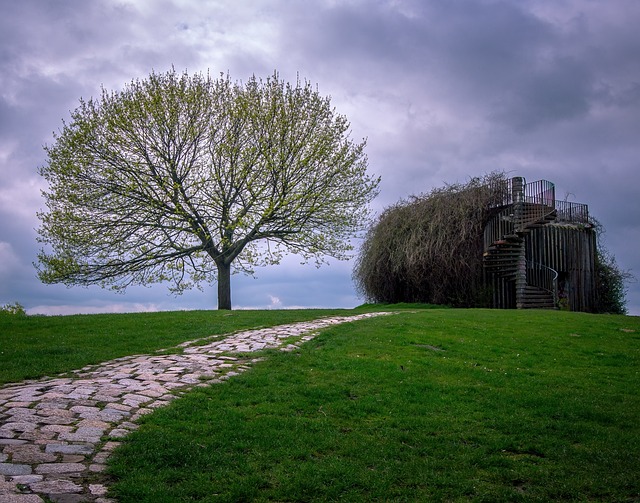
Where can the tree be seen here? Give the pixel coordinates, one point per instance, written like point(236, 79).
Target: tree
point(429, 248)
point(611, 280)
point(611, 289)
point(183, 178)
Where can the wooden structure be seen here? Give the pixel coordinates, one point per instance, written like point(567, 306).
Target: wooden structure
point(539, 252)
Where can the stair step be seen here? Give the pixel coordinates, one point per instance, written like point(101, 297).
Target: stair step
point(500, 247)
point(513, 237)
point(537, 298)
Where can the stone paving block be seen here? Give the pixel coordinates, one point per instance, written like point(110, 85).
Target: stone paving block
point(168, 377)
point(173, 385)
point(17, 404)
point(37, 436)
point(26, 479)
point(116, 408)
point(11, 441)
point(70, 498)
point(20, 498)
point(130, 384)
point(89, 390)
point(14, 469)
point(54, 403)
point(98, 489)
point(86, 402)
point(93, 423)
point(118, 433)
point(20, 411)
point(72, 458)
point(90, 431)
point(76, 396)
point(55, 420)
point(153, 393)
point(110, 446)
point(29, 454)
point(135, 399)
point(85, 450)
point(110, 415)
point(53, 412)
point(113, 389)
point(190, 380)
point(80, 409)
point(56, 486)
point(47, 468)
point(80, 437)
point(6, 487)
point(155, 405)
point(18, 426)
point(58, 428)
point(129, 425)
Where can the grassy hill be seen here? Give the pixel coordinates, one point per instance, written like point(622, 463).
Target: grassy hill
point(424, 405)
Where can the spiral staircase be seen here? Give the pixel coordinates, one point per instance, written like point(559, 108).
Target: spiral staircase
point(518, 282)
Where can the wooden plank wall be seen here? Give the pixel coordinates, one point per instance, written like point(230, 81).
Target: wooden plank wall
point(570, 250)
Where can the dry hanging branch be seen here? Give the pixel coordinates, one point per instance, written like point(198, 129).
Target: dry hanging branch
point(429, 248)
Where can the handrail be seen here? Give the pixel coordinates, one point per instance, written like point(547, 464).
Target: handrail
point(522, 204)
point(543, 277)
point(516, 190)
point(502, 224)
point(572, 212)
point(513, 219)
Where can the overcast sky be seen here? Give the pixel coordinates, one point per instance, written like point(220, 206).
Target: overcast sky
point(442, 90)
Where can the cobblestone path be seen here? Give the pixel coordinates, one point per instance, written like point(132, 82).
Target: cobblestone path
point(53, 430)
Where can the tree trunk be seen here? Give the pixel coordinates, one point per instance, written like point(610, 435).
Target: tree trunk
point(224, 285)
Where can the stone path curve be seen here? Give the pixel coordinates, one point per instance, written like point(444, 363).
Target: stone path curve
point(52, 430)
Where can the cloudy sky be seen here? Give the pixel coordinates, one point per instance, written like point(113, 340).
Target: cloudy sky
point(442, 90)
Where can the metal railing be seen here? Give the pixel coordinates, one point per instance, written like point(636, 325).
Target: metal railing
point(524, 204)
point(543, 277)
point(567, 212)
point(513, 219)
point(502, 224)
point(517, 190)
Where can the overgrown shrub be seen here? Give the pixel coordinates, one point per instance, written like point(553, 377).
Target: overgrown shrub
point(611, 281)
point(429, 248)
point(15, 309)
point(611, 284)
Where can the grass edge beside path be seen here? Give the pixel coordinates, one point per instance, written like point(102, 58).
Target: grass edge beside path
point(32, 347)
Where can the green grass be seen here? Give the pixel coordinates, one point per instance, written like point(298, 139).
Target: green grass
point(438, 405)
point(36, 346)
point(424, 405)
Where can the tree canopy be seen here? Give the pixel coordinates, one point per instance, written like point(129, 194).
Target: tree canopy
point(184, 178)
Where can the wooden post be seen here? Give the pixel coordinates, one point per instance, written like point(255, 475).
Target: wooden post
point(518, 184)
point(521, 277)
point(518, 189)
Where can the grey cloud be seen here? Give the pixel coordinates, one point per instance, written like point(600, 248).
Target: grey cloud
point(561, 91)
point(442, 90)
